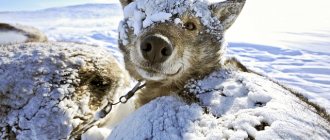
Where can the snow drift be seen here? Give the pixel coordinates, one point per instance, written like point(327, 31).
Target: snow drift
point(228, 104)
point(48, 90)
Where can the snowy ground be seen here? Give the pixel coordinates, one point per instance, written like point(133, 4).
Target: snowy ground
point(290, 44)
point(288, 41)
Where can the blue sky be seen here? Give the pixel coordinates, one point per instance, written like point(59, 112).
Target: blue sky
point(19, 5)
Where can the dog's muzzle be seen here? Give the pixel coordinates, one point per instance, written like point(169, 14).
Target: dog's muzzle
point(156, 48)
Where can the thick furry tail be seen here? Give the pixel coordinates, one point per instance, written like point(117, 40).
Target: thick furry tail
point(12, 34)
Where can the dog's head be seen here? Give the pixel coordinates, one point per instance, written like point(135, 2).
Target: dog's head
point(166, 40)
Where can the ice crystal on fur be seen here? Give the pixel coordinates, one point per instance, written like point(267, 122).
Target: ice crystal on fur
point(48, 90)
point(142, 14)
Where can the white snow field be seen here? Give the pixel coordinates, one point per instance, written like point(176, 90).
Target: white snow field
point(287, 40)
point(278, 38)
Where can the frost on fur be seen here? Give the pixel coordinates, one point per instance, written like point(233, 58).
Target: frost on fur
point(207, 96)
point(191, 31)
point(48, 90)
point(141, 14)
point(229, 105)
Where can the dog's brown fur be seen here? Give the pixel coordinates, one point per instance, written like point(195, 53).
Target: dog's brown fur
point(197, 52)
point(202, 50)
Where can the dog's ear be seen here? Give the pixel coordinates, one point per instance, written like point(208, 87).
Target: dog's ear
point(125, 2)
point(227, 11)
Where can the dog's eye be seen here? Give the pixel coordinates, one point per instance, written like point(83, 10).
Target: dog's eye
point(190, 26)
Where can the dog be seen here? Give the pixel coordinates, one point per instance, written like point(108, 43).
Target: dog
point(39, 79)
point(177, 47)
point(186, 44)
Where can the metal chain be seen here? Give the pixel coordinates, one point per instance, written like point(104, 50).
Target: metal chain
point(123, 99)
point(107, 109)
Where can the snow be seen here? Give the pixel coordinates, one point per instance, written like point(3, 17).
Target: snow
point(239, 108)
point(141, 14)
point(156, 17)
point(96, 133)
point(289, 45)
point(47, 89)
point(144, 13)
point(11, 34)
point(11, 37)
point(262, 42)
point(93, 24)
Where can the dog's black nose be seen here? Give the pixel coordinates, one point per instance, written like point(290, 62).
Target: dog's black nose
point(156, 48)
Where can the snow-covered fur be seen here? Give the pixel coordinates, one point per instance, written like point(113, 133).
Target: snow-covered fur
point(229, 104)
point(11, 34)
point(212, 97)
point(49, 90)
point(193, 28)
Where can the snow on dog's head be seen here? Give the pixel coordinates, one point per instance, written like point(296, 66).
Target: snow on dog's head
point(165, 40)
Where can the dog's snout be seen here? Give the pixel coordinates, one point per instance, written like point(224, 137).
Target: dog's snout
point(156, 48)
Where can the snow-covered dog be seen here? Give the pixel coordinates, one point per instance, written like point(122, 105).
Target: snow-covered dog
point(52, 90)
point(178, 48)
point(167, 43)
